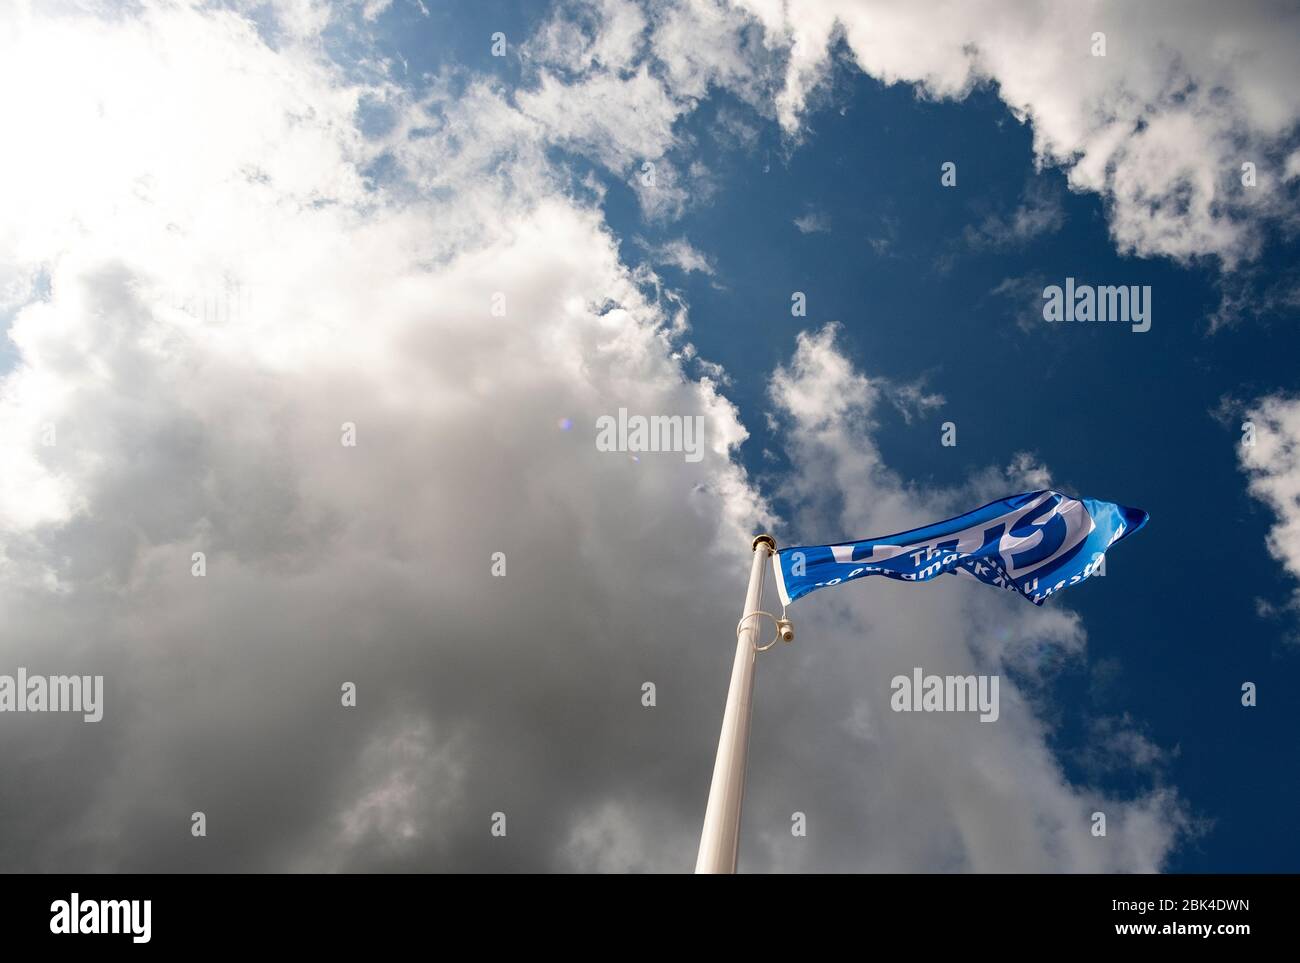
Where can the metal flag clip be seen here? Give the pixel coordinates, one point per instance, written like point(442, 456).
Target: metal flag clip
point(784, 628)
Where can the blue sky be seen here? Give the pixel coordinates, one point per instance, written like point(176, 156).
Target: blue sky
point(1174, 630)
point(371, 176)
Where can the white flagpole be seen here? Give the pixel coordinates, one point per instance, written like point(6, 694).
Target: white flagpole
point(721, 834)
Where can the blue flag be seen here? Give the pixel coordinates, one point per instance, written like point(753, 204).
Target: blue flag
point(1035, 544)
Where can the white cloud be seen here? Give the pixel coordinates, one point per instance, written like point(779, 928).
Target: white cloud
point(612, 80)
point(813, 222)
point(626, 836)
point(410, 783)
point(732, 129)
point(1272, 466)
point(1117, 741)
point(703, 44)
point(371, 9)
point(681, 254)
point(1038, 212)
point(666, 190)
point(183, 430)
point(620, 120)
point(579, 36)
point(1159, 126)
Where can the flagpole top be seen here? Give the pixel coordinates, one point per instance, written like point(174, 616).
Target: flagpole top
point(771, 542)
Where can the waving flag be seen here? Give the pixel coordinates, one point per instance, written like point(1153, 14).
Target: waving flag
point(1036, 544)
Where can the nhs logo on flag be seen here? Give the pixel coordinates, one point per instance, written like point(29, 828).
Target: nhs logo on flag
point(1035, 544)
